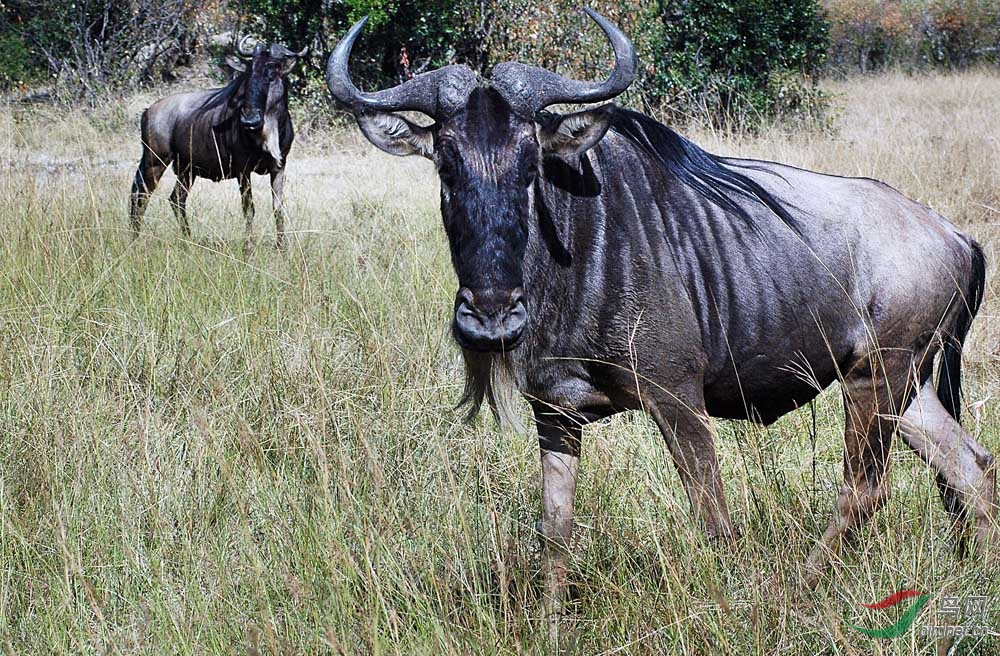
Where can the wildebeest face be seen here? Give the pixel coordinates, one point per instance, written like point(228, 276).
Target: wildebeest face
point(488, 148)
point(488, 158)
point(265, 85)
point(266, 69)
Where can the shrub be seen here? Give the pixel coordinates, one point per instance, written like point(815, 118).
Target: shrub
point(875, 34)
point(742, 60)
point(402, 38)
point(737, 60)
point(17, 66)
point(96, 45)
point(734, 62)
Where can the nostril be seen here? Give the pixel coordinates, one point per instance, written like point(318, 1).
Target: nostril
point(465, 297)
point(513, 321)
point(464, 311)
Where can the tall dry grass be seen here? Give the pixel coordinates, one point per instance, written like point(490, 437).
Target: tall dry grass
point(205, 455)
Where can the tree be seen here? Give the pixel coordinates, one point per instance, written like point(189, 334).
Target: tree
point(96, 44)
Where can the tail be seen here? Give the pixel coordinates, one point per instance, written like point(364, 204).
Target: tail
point(140, 189)
point(139, 184)
point(144, 133)
point(949, 387)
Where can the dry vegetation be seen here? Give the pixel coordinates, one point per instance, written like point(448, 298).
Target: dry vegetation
point(204, 455)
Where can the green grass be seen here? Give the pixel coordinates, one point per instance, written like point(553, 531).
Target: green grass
point(201, 455)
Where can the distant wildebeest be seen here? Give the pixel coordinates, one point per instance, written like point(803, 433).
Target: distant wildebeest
point(606, 264)
point(220, 134)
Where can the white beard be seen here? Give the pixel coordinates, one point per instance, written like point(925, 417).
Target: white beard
point(269, 133)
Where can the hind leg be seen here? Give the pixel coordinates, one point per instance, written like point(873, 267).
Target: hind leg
point(147, 176)
point(874, 391)
point(966, 472)
point(178, 200)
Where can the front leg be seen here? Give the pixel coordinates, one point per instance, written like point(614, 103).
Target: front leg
point(246, 196)
point(277, 190)
point(559, 439)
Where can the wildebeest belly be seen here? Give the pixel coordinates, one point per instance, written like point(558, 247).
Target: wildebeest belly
point(763, 374)
point(765, 387)
point(227, 170)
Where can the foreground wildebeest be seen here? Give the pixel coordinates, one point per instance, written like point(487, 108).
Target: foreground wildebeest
point(606, 264)
point(220, 134)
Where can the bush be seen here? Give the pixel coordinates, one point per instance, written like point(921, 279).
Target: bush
point(735, 62)
point(427, 32)
point(96, 45)
point(17, 66)
point(875, 34)
point(742, 60)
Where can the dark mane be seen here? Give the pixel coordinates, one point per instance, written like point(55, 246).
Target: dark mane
point(220, 97)
point(704, 172)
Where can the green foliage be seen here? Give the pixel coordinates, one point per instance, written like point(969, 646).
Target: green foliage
point(24, 28)
point(427, 32)
point(16, 63)
point(740, 59)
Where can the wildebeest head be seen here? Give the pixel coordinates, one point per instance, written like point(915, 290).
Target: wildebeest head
point(265, 68)
point(487, 141)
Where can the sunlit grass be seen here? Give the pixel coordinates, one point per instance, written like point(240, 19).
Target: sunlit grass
point(201, 454)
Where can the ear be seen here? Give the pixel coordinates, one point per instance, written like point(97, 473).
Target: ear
point(395, 135)
point(287, 64)
point(237, 65)
point(568, 135)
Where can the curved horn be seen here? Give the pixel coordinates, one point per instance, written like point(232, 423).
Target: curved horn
point(279, 51)
point(436, 93)
point(241, 47)
point(529, 89)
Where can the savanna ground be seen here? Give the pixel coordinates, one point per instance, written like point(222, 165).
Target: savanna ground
point(201, 454)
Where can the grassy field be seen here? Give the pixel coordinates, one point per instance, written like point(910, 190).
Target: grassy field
point(202, 455)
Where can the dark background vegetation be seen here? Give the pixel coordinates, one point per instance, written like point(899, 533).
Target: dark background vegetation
point(735, 60)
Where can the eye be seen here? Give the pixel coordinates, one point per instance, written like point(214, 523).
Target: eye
point(443, 158)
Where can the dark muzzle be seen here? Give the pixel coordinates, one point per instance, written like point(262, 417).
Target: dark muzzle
point(252, 121)
point(489, 321)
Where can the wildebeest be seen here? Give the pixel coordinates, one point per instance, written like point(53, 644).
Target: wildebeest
point(606, 264)
point(220, 134)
